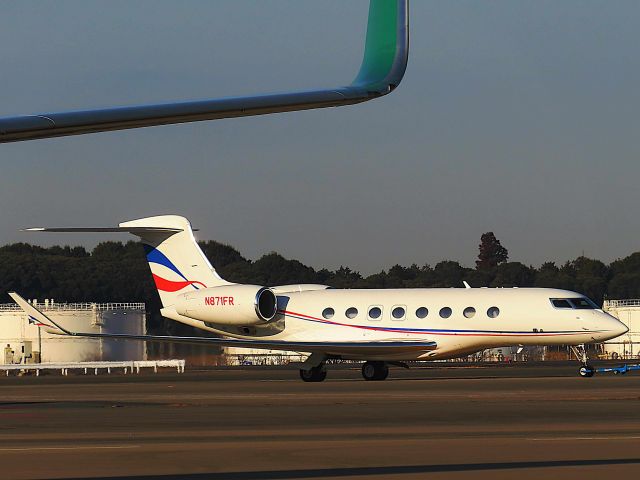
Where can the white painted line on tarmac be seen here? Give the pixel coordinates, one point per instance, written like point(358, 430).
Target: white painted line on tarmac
point(75, 447)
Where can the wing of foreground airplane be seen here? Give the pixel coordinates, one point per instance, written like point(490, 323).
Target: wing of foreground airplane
point(383, 66)
point(387, 347)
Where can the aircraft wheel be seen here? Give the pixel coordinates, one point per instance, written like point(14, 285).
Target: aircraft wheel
point(375, 371)
point(586, 371)
point(315, 374)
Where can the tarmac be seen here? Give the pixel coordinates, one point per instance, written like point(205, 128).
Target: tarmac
point(254, 423)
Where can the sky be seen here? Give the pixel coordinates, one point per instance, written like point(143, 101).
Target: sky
point(520, 118)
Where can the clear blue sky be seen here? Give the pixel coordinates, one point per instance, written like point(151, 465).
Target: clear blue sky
point(516, 117)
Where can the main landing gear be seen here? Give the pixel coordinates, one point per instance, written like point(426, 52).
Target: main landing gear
point(375, 371)
point(586, 370)
point(314, 369)
point(314, 374)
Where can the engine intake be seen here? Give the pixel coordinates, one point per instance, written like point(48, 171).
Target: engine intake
point(266, 304)
point(229, 305)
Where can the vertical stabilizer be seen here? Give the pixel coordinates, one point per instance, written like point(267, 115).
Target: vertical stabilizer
point(176, 261)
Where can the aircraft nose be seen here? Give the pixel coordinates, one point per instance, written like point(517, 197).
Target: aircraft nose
point(622, 328)
point(615, 326)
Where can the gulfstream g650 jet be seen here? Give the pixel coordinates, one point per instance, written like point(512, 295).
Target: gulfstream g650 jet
point(374, 326)
point(383, 66)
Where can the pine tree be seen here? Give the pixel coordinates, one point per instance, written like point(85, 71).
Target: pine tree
point(492, 253)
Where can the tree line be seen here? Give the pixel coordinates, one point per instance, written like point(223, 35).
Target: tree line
point(118, 272)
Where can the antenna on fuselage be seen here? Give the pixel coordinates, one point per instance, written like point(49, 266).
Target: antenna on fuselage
point(466, 285)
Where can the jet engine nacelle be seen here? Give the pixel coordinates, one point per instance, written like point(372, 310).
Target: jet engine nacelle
point(229, 305)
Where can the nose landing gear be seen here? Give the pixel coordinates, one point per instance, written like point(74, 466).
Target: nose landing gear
point(586, 370)
point(375, 371)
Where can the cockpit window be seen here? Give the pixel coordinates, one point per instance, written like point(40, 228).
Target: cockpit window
point(561, 303)
point(581, 303)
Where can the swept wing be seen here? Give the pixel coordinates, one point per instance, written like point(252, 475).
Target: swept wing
point(383, 66)
point(337, 348)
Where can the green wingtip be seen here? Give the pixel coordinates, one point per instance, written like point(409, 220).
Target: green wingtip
point(385, 54)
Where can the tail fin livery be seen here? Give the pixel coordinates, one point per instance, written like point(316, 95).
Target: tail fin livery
point(175, 259)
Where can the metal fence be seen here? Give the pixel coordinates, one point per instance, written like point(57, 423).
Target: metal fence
point(95, 367)
point(630, 302)
point(84, 307)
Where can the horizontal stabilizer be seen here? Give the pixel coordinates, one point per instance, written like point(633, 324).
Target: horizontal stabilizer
point(168, 224)
point(132, 230)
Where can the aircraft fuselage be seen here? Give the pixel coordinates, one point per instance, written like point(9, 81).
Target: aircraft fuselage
point(459, 320)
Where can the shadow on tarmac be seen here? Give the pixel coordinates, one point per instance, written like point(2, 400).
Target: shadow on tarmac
point(376, 471)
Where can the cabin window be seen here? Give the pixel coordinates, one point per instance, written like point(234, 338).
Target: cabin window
point(375, 313)
point(469, 312)
point(561, 303)
point(352, 312)
point(328, 313)
point(445, 312)
point(422, 312)
point(398, 313)
point(493, 312)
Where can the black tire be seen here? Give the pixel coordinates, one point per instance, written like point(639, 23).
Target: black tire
point(383, 373)
point(315, 374)
point(375, 371)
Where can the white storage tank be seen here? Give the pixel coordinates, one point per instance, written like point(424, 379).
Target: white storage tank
point(20, 341)
point(626, 346)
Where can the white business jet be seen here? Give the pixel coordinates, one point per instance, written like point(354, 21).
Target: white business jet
point(379, 327)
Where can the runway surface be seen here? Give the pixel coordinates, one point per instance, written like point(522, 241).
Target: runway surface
point(256, 423)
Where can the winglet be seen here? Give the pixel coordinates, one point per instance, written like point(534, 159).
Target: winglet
point(37, 317)
point(387, 46)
